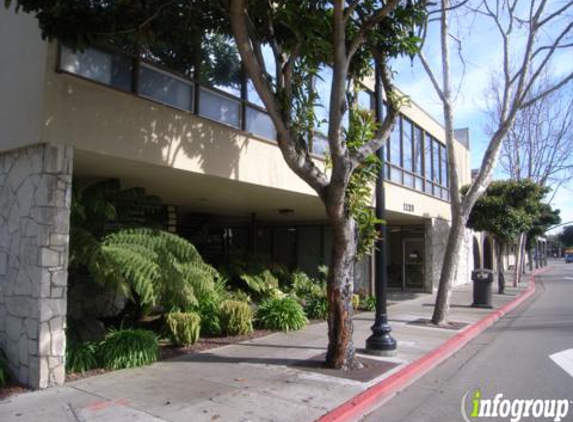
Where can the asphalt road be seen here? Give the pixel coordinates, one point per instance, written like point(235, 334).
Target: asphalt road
point(511, 358)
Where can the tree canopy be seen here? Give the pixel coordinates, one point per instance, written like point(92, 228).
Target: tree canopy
point(510, 207)
point(547, 217)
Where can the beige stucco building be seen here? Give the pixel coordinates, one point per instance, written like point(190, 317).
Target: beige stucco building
point(209, 154)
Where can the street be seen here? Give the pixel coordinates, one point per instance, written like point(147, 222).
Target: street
point(510, 358)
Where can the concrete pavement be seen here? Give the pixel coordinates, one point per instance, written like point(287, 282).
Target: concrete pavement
point(251, 381)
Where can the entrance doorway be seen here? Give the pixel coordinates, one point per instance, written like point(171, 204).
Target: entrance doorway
point(413, 264)
point(406, 257)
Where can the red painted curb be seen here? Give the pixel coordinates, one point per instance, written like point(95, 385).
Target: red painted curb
point(379, 393)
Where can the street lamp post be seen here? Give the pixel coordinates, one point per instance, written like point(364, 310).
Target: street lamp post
point(381, 343)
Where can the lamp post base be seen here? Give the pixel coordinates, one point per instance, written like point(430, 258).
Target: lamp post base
point(381, 343)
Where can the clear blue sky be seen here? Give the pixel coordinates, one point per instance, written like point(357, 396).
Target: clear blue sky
point(481, 51)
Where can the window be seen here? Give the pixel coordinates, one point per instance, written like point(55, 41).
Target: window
point(163, 87)
point(444, 166)
point(365, 99)
point(418, 157)
point(219, 107)
point(408, 162)
point(252, 94)
point(112, 69)
point(320, 144)
point(395, 144)
point(221, 68)
point(323, 85)
point(428, 157)
point(436, 176)
point(259, 123)
point(418, 150)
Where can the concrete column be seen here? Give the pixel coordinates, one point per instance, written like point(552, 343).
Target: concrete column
point(35, 199)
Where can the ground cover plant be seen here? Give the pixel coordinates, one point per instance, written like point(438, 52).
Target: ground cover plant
point(281, 313)
point(184, 327)
point(129, 348)
point(81, 357)
point(236, 318)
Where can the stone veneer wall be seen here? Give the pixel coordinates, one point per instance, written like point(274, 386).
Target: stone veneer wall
point(35, 198)
point(437, 232)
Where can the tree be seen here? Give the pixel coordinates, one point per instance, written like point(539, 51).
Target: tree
point(539, 146)
point(566, 236)
point(507, 209)
point(531, 33)
point(304, 37)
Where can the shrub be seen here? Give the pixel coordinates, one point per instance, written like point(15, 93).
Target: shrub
point(81, 357)
point(303, 286)
point(3, 369)
point(129, 348)
point(283, 314)
point(316, 307)
point(208, 310)
point(369, 303)
point(236, 318)
point(355, 301)
point(184, 327)
point(209, 305)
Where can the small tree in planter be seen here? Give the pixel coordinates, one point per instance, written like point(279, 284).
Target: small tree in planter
point(507, 209)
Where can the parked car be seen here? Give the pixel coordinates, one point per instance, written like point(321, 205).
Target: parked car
point(568, 258)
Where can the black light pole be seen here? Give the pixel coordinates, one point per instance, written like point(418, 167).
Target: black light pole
point(381, 343)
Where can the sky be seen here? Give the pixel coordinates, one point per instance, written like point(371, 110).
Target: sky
point(478, 43)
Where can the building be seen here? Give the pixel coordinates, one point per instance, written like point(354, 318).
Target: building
point(207, 151)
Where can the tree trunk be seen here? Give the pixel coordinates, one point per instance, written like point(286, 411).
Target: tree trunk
point(442, 308)
point(517, 266)
point(341, 352)
point(530, 258)
point(522, 255)
point(500, 275)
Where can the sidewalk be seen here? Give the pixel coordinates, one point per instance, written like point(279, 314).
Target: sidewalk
point(251, 381)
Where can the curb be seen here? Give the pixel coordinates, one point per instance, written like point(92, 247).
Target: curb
point(378, 394)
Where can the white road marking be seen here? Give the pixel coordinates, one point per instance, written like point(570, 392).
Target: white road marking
point(564, 359)
point(568, 278)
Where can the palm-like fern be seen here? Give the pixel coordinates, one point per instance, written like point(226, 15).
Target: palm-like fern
point(153, 267)
point(163, 269)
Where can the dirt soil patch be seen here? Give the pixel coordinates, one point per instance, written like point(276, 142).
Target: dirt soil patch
point(452, 325)
point(12, 388)
point(371, 368)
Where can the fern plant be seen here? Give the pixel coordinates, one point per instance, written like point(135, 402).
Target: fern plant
point(304, 286)
point(316, 307)
point(129, 348)
point(284, 314)
point(184, 327)
point(153, 267)
point(81, 357)
point(208, 307)
point(157, 267)
point(369, 303)
point(236, 318)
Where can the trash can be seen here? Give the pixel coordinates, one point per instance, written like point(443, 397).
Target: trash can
point(482, 288)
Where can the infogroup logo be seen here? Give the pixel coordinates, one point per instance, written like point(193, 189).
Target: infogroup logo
point(474, 407)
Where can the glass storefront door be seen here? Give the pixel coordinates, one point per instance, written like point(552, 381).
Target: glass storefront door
point(413, 259)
